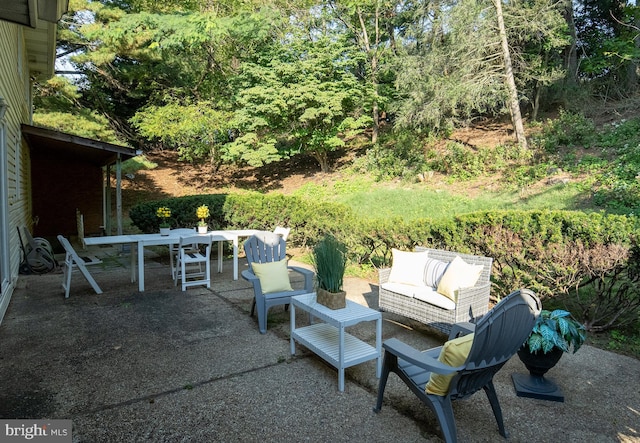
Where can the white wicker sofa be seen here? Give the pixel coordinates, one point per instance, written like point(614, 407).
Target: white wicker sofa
point(439, 312)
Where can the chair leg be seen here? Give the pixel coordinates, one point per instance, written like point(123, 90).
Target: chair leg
point(208, 271)
point(176, 273)
point(444, 413)
point(490, 390)
point(66, 281)
point(184, 276)
point(261, 306)
point(389, 361)
point(83, 269)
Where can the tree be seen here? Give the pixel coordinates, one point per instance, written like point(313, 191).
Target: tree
point(137, 62)
point(608, 44)
point(468, 58)
point(199, 131)
point(302, 97)
point(450, 69)
point(56, 107)
point(514, 101)
point(370, 25)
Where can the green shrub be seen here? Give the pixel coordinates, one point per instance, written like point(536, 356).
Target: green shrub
point(309, 219)
point(465, 162)
point(589, 259)
point(399, 157)
point(183, 212)
point(569, 129)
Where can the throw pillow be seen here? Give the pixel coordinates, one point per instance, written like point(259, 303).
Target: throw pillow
point(459, 274)
point(274, 276)
point(433, 272)
point(453, 353)
point(408, 267)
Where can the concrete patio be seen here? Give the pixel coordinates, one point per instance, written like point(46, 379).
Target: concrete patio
point(166, 365)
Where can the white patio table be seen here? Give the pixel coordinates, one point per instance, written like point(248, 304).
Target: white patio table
point(142, 240)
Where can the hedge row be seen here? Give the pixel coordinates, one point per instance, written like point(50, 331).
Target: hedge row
point(552, 252)
point(183, 212)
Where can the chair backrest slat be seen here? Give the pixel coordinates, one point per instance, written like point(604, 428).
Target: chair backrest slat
point(259, 251)
point(195, 239)
point(71, 253)
point(498, 336)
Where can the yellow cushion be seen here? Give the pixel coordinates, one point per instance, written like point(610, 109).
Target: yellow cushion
point(459, 275)
point(408, 267)
point(274, 276)
point(453, 353)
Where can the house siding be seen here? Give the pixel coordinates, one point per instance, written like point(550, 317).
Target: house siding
point(15, 89)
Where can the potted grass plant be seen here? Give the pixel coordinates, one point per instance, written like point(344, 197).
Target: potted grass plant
point(554, 333)
point(329, 259)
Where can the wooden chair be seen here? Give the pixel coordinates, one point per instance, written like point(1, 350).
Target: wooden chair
point(269, 247)
point(73, 260)
point(194, 252)
point(173, 250)
point(497, 337)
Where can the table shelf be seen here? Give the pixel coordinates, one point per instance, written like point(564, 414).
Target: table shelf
point(323, 339)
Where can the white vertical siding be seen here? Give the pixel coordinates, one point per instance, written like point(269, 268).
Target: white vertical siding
point(15, 89)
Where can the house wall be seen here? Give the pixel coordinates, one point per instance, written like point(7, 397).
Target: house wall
point(15, 89)
point(61, 184)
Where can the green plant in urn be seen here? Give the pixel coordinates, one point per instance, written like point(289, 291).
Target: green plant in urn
point(330, 261)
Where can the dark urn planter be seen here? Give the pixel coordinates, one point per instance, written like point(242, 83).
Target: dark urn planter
point(535, 385)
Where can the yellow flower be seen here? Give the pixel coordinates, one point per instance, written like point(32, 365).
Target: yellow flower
point(202, 212)
point(163, 212)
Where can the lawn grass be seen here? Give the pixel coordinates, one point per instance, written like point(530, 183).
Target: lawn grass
point(133, 165)
point(412, 201)
point(417, 201)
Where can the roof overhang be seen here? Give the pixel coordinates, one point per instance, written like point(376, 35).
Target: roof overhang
point(41, 17)
point(95, 152)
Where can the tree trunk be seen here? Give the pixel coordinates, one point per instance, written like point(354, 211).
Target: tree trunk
point(536, 102)
point(373, 54)
point(514, 104)
point(569, 54)
point(323, 160)
point(632, 65)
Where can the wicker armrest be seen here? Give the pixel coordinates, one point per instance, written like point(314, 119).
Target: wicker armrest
point(470, 295)
point(383, 275)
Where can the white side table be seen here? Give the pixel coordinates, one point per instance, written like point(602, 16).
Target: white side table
point(329, 339)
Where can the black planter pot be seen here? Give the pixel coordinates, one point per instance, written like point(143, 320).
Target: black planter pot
point(535, 385)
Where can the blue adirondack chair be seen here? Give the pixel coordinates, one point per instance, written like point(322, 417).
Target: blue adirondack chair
point(268, 247)
point(497, 337)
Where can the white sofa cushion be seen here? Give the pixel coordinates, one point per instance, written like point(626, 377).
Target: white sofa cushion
point(459, 275)
point(422, 293)
point(408, 267)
